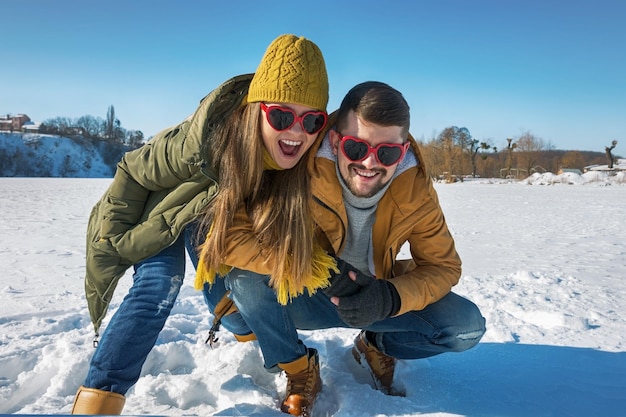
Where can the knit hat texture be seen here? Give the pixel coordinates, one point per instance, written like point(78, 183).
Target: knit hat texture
point(291, 71)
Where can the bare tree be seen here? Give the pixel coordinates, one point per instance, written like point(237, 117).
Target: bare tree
point(509, 152)
point(456, 146)
point(90, 125)
point(528, 147)
point(134, 138)
point(57, 126)
point(609, 155)
point(475, 148)
point(109, 123)
point(446, 140)
point(572, 159)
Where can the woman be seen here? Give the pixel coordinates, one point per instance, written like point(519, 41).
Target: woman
point(234, 165)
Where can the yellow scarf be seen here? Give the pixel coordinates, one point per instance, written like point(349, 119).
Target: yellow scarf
point(321, 265)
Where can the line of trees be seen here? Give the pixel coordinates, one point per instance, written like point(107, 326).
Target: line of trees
point(109, 129)
point(454, 153)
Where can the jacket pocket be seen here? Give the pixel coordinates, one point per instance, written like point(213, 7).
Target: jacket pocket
point(104, 264)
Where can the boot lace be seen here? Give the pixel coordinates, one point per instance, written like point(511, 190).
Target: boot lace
point(300, 383)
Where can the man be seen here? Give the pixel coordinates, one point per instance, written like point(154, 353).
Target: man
point(371, 194)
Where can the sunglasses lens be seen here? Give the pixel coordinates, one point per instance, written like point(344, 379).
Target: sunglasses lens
point(389, 155)
point(313, 123)
point(355, 150)
point(280, 119)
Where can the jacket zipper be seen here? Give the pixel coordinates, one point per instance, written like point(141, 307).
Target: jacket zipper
point(393, 262)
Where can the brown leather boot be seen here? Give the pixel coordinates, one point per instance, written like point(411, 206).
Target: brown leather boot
point(380, 366)
point(303, 384)
point(94, 402)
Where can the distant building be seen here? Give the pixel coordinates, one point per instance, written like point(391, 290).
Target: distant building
point(30, 127)
point(572, 170)
point(13, 123)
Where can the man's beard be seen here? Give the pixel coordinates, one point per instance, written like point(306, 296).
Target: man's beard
point(351, 181)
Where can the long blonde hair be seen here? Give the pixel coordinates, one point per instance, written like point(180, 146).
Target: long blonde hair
point(277, 201)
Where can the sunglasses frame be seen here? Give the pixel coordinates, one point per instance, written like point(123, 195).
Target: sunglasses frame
point(267, 109)
point(404, 147)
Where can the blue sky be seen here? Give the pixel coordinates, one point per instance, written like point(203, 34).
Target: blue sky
point(502, 68)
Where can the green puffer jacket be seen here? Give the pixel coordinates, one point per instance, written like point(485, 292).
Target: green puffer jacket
point(157, 190)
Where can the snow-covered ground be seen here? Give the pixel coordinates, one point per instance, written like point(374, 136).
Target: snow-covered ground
point(545, 263)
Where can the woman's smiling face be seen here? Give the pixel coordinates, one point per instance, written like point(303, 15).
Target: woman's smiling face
point(287, 147)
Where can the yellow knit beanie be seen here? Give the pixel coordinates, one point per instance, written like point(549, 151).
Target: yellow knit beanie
point(291, 71)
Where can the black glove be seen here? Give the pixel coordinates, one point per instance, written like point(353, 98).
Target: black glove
point(341, 285)
point(376, 301)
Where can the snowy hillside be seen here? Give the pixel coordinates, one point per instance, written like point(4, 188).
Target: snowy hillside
point(39, 155)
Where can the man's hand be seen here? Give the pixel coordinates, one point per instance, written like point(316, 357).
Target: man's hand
point(342, 284)
point(376, 300)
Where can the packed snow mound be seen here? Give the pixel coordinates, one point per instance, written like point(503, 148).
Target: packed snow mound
point(590, 177)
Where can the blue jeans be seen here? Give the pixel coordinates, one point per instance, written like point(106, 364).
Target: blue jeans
point(453, 324)
point(135, 326)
